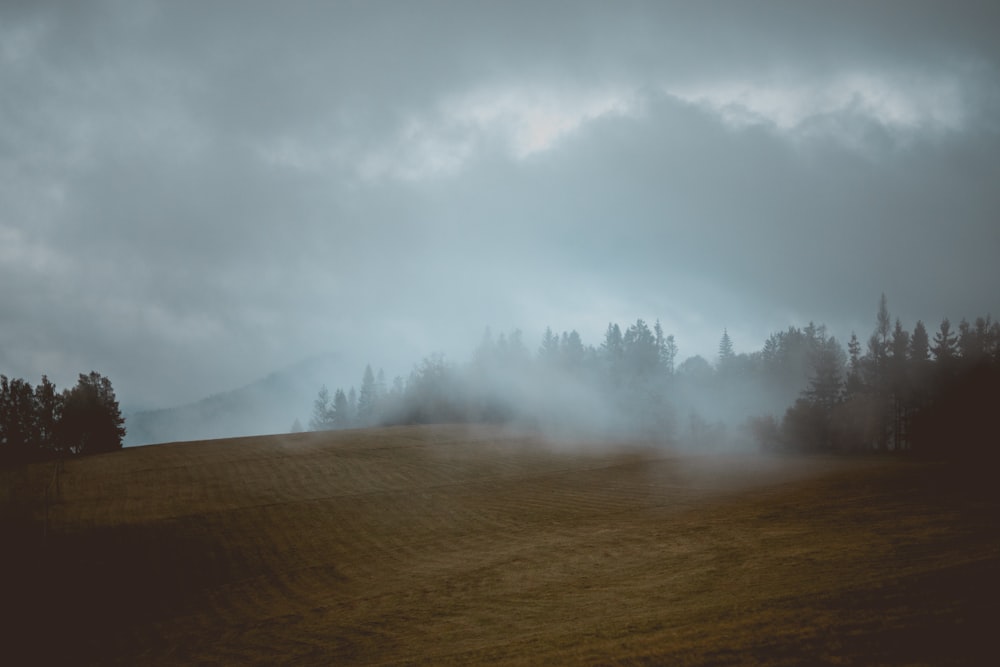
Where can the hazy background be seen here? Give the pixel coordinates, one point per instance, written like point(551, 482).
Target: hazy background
point(197, 194)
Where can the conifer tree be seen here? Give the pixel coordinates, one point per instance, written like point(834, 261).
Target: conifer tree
point(342, 417)
point(920, 351)
point(726, 354)
point(367, 398)
point(854, 384)
point(945, 346)
point(322, 417)
point(548, 353)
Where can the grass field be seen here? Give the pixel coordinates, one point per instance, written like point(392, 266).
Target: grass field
point(458, 545)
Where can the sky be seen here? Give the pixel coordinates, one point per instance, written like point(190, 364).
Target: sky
point(197, 194)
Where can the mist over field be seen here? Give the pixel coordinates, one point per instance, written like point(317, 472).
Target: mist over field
point(554, 332)
point(198, 197)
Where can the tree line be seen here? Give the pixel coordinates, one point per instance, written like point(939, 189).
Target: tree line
point(38, 423)
point(903, 390)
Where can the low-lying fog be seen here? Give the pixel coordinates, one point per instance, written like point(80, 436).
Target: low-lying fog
point(196, 197)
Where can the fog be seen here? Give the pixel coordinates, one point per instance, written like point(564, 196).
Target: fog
point(198, 197)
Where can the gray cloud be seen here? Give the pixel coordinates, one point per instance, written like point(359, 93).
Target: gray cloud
point(197, 194)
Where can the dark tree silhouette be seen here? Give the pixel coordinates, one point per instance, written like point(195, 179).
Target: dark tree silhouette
point(920, 347)
point(48, 412)
point(18, 424)
point(91, 420)
point(855, 381)
point(945, 346)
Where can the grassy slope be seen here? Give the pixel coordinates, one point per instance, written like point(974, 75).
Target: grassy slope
point(445, 544)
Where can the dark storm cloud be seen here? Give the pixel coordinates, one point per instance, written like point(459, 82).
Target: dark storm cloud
point(198, 193)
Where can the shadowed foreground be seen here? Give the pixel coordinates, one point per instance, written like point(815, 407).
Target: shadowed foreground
point(456, 545)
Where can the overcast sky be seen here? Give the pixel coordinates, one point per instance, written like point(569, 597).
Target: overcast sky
point(195, 194)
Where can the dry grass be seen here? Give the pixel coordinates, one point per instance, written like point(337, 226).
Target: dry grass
point(441, 545)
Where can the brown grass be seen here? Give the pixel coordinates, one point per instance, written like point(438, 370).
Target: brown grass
point(451, 545)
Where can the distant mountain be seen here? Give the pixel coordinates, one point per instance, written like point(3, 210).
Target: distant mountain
point(269, 405)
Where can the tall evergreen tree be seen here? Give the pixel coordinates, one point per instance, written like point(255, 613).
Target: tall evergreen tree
point(826, 381)
point(639, 351)
point(573, 352)
point(855, 383)
point(900, 384)
point(883, 323)
point(352, 406)
point(668, 355)
point(613, 345)
point(726, 354)
point(974, 345)
point(945, 346)
point(380, 386)
point(322, 415)
point(548, 353)
point(342, 417)
point(368, 398)
point(920, 349)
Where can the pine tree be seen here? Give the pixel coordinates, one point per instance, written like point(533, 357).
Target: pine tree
point(883, 323)
point(322, 417)
point(899, 384)
point(855, 384)
point(945, 346)
point(613, 345)
point(920, 351)
point(548, 353)
point(342, 417)
point(726, 354)
point(825, 383)
point(367, 398)
point(668, 355)
point(639, 350)
point(352, 406)
point(380, 386)
point(920, 365)
point(573, 352)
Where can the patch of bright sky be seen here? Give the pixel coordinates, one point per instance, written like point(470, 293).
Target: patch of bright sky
point(532, 120)
point(519, 121)
point(522, 121)
point(901, 103)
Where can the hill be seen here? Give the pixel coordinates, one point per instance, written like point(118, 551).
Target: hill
point(472, 545)
point(267, 405)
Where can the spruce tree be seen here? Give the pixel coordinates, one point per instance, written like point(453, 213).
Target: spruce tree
point(321, 419)
point(367, 398)
point(945, 346)
point(342, 417)
point(920, 350)
point(726, 354)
